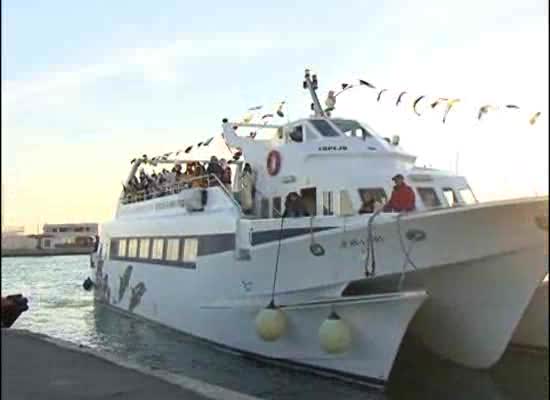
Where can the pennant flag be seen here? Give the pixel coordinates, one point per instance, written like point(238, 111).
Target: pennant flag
point(484, 110)
point(399, 98)
point(450, 104)
point(255, 108)
point(438, 101)
point(534, 118)
point(365, 83)
point(415, 103)
point(346, 86)
point(380, 94)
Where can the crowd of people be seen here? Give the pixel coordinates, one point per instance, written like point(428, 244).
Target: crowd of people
point(196, 175)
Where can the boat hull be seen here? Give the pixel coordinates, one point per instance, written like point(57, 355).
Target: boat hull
point(532, 330)
point(480, 276)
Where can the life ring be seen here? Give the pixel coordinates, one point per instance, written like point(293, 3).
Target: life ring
point(273, 162)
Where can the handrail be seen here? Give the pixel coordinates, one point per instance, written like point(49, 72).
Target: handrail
point(142, 195)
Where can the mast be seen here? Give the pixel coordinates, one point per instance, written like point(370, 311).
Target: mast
point(310, 83)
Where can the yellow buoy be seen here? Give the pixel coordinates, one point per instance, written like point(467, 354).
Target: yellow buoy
point(270, 323)
point(334, 335)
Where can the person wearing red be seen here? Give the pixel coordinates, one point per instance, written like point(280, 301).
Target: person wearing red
point(402, 197)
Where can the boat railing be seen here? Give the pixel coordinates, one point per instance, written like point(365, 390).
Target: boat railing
point(202, 182)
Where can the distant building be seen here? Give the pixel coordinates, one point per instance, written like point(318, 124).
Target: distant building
point(55, 239)
point(67, 235)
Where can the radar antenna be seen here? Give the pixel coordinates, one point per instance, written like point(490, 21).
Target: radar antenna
point(310, 83)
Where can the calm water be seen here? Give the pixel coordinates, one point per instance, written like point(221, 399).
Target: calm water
point(61, 308)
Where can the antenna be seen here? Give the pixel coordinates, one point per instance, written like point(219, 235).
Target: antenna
point(310, 82)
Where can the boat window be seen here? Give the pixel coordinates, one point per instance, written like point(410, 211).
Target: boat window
point(264, 208)
point(121, 248)
point(429, 197)
point(132, 248)
point(172, 249)
point(309, 196)
point(324, 128)
point(144, 248)
point(277, 207)
point(467, 196)
point(190, 250)
point(351, 128)
point(328, 203)
point(450, 197)
point(379, 194)
point(158, 247)
point(346, 206)
point(297, 134)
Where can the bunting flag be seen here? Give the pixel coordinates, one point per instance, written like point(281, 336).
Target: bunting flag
point(365, 83)
point(450, 104)
point(380, 94)
point(400, 97)
point(534, 118)
point(484, 110)
point(416, 102)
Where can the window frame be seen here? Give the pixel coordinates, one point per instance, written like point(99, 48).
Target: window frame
point(423, 190)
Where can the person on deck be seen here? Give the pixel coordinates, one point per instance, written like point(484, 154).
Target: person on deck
point(226, 174)
point(294, 206)
point(214, 168)
point(402, 197)
point(368, 203)
point(247, 192)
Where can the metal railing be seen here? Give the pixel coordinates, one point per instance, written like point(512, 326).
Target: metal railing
point(162, 190)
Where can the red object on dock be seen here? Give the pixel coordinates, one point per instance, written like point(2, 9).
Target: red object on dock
point(11, 308)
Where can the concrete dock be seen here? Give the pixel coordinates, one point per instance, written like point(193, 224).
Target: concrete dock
point(39, 367)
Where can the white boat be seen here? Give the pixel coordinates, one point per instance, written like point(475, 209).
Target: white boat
point(190, 259)
point(532, 331)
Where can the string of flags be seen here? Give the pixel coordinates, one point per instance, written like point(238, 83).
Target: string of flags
point(447, 101)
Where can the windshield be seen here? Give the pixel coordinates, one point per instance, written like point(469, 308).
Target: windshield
point(324, 128)
point(351, 128)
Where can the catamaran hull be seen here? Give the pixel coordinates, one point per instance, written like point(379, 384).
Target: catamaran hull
point(480, 275)
point(377, 323)
point(532, 330)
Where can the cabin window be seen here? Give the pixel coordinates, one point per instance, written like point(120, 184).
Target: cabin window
point(328, 203)
point(190, 250)
point(379, 194)
point(309, 197)
point(429, 197)
point(144, 248)
point(158, 247)
point(132, 248)
point(297, 134)
point(264, 208)
point(122, 248)
point(450, 197)
point(346, 206)
point(324, 128)
point(277, 207)
point(172, 249)
point(467, 196)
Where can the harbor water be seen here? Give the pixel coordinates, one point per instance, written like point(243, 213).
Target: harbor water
point(59, 307)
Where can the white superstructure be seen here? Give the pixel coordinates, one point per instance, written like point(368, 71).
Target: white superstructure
point(191, 259)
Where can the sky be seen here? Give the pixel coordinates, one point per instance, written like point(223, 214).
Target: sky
point(86, 86)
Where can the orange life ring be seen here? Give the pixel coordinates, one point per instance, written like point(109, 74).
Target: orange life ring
point(273, 162)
